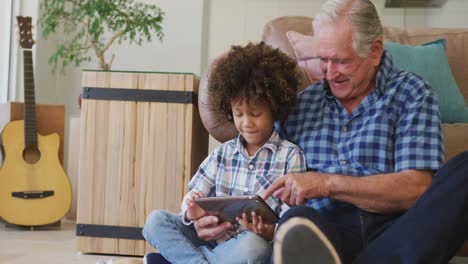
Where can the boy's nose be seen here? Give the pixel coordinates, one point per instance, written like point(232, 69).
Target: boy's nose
point(247, 121)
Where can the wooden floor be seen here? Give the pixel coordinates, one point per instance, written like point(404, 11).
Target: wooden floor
point(54, 245)
point(57, 246)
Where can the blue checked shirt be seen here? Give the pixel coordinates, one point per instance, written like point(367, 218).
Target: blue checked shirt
point(396, 127)
point(229, 171)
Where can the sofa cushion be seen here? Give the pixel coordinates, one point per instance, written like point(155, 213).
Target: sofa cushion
point(457, 47)
point(455, 141)
point(305, 51)
point(430, 61)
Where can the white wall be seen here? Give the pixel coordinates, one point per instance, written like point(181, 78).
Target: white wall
point(241, 21)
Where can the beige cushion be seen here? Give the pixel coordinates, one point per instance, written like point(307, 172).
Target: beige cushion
point(305, 50)
point(455, 139)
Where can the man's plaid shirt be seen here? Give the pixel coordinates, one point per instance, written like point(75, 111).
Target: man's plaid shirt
point(229, 171)
point(396, 127)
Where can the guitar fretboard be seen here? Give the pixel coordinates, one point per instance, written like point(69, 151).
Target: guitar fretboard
point(30, 127)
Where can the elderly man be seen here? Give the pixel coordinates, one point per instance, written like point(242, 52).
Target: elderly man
point(375, 191)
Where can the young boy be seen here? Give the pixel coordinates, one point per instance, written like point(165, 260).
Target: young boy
point(253, 85)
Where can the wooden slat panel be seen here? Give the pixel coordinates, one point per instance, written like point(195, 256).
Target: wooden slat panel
point(93, 156)
point(174, 146)
point(135, 156)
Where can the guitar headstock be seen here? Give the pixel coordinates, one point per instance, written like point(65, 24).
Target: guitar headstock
point(24, 24)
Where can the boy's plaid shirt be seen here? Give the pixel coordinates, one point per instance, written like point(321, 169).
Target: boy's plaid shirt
point(229, 171)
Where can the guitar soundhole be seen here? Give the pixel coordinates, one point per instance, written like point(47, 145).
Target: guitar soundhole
point(31, 154)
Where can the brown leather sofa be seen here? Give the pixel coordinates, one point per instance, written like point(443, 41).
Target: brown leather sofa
point(274, 33)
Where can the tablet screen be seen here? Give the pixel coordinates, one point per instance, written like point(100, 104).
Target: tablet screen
point(229, 207)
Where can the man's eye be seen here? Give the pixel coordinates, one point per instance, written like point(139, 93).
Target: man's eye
point(323, 60)
point(237, 114)
point(256, 114)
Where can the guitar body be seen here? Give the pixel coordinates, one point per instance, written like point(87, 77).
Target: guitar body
point(44, 177)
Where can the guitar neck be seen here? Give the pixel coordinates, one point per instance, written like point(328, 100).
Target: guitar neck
point(30, 127)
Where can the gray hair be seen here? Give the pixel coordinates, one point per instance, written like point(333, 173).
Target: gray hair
point(363, 17)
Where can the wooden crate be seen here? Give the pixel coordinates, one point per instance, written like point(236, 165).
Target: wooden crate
point(50, 119)
point(135, 156)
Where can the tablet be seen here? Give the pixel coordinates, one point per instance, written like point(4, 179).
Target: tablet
point(227, 208)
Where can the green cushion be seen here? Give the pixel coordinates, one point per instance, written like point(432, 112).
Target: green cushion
point(430, 61)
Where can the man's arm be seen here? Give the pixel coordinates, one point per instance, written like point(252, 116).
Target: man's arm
point(381, 193)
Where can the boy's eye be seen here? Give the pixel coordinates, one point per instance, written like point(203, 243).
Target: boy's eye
point(237, 114)
point(256, 114)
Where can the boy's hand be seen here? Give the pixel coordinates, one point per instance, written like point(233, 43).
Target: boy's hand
point(193, 210)
point(257, 226)
point(209, 228)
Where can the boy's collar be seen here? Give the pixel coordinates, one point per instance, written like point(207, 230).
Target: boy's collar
point(272, 142)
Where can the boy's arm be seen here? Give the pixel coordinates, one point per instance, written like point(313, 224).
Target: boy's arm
point(202, 182)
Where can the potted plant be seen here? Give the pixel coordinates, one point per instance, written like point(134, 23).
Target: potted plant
point(95, 25)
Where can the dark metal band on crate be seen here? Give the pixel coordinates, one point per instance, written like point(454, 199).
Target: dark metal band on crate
point(107, 231)
point(139, 95)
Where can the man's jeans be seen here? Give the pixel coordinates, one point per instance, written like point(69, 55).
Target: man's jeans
point(179, 243)
point(430, 232)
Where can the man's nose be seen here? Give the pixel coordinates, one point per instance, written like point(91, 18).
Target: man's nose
point(331, 70)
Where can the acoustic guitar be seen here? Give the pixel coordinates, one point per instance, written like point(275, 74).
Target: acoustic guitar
point(34, 188)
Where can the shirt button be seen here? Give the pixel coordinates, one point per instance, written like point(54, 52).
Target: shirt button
point(343, 162)
point(251, 166)
point(345, 129)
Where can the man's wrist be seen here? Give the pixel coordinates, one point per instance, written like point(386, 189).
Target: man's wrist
point(330, 184)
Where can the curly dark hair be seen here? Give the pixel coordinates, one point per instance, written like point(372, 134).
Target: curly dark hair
point(256, 72)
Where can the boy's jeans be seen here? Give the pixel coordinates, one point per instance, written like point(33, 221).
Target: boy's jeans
point(179, 243)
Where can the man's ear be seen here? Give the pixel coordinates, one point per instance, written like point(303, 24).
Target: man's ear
point(376, 52)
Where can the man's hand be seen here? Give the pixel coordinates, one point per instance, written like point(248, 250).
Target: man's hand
point(209, 228)
point(297, 188)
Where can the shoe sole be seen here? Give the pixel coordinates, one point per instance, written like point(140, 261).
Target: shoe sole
point(313, 244)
